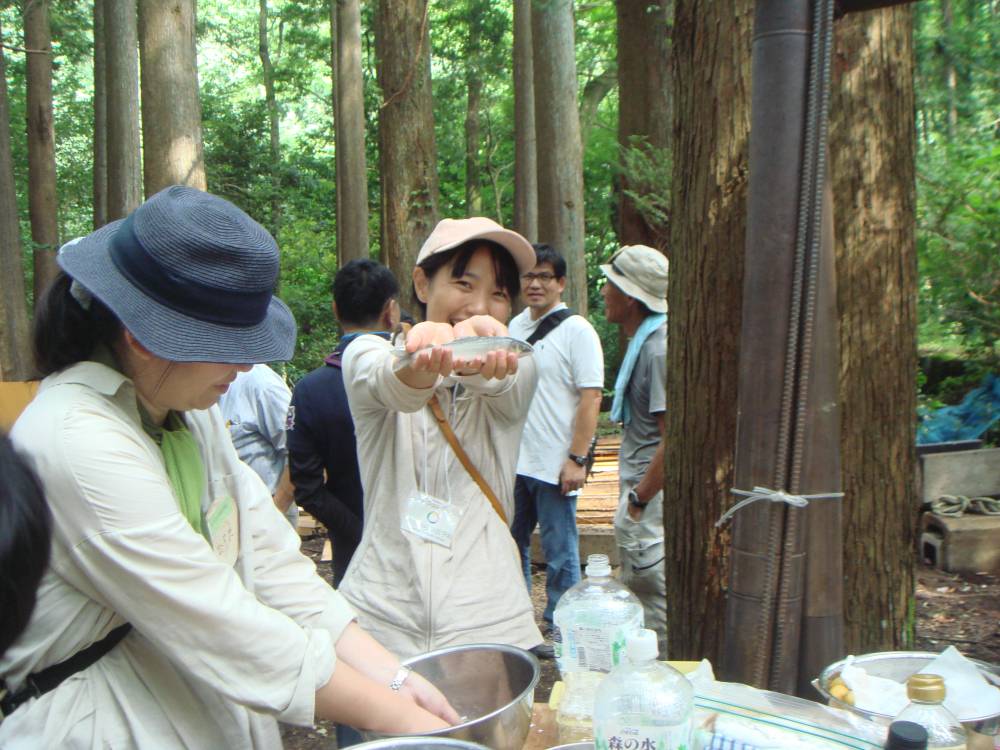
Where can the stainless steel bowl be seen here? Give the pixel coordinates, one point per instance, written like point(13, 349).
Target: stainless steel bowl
point(492, 687)
point(418, 743)
point(898, 666)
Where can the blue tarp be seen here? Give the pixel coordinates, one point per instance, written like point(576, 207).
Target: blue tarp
point(968, 420)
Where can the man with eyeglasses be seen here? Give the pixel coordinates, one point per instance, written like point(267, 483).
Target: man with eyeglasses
point(552, 464)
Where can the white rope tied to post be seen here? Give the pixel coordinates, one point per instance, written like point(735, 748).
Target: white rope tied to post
point(775, 496)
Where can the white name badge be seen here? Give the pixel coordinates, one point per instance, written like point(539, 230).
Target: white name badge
point(223, 522)
point(431, 518)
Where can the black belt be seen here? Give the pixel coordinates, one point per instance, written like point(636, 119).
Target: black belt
point(39, 683)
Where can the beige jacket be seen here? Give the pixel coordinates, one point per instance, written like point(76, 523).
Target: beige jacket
point(217, 652)
point(413, 595)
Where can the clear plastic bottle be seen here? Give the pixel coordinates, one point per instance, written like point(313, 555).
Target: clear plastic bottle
point(592, 621)
point(643, 703)
point(926, 694)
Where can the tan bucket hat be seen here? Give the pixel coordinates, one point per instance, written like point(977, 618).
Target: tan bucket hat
point(640, 272)
point(450, 233)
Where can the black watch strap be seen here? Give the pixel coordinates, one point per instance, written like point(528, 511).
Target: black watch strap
point(578, 460)
point(634, 501)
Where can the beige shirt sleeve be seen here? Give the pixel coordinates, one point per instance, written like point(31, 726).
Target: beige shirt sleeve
point(506, 399)
point(139, 557)
point(371, 382)
point(284, 578)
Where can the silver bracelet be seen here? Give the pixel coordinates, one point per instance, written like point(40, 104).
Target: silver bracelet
point(397, 681)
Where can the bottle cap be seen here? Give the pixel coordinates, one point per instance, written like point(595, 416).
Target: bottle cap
point(641, 646)
point(926, 688)
point(598, 566)
point(904, 735)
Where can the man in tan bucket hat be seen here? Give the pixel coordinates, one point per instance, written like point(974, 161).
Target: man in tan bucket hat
point(635, 297)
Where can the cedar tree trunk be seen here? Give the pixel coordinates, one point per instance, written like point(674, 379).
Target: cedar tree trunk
point(15, 345)
point(525, 160)
point(42, 201)
point(100, 178)
point(171, 110)
point(407, 149)
point(349, 124)
point(559, 148)
point(644, 115)
point(872, 146)
point(711, 94)
point(122, 79)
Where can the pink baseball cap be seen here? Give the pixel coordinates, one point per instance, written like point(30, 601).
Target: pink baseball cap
point(450, 233)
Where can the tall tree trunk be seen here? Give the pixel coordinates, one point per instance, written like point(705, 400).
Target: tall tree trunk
point(42, 202)
point(525, 160)
point(594, 92)
point(950, 73)
point(272, 119)
point(15, 347)
point(711, 123)
point(560, 151)
point(644, 114)
point(121, 54)
point(474, 90)
point(872, 147)
point(100, 178)
point(407, 149)
point(171, 110)
point(349, 123)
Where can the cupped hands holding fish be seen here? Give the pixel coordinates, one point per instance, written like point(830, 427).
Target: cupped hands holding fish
point(428, 354)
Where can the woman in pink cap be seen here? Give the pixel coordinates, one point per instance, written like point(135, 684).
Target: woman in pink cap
point(437, 566)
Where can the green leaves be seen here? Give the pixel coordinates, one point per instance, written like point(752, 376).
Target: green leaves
point(958, 189)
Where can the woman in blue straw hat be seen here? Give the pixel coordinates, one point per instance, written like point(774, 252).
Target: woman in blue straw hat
point(177, 610)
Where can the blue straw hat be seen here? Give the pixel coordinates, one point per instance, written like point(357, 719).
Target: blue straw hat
point(191, 276)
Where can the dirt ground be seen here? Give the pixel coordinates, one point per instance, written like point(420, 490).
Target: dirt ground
point(959, 611)
point(952, 610)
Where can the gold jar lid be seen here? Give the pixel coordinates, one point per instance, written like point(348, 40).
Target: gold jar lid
point(926, 688)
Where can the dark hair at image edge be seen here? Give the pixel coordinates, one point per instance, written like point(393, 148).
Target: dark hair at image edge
point(25, 541)
point(504, 267)
point(64, 333)
point(547, 254)
point(361, 289)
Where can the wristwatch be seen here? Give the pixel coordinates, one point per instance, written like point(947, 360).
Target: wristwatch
point(397, 682)
point(578, 460)
point(634, 501)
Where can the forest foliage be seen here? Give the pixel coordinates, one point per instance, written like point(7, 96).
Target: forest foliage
point(958, 160)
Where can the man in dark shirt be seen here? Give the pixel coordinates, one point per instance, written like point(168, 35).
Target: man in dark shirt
point(322, 455)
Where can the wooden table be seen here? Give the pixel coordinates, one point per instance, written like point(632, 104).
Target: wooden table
point(543, 733)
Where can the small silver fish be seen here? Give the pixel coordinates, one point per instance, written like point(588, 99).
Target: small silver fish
point(470, 347)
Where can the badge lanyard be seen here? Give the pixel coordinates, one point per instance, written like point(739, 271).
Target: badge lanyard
point(426, 516)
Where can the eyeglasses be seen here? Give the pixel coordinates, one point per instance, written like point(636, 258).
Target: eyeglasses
point(544, 277)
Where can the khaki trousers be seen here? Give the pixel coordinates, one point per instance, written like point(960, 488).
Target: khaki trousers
point(640, 551)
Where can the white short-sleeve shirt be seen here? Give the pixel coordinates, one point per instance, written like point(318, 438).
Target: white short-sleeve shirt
point(568, 358)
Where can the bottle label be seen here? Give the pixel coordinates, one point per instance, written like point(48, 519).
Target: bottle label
point(593, 648)
point(615, 736)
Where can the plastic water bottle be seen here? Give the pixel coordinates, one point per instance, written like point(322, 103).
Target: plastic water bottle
point(926, 694)
point(593, 620)
point(643, 703)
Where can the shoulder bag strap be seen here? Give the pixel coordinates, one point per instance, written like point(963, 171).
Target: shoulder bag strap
point(549, 324)
point(449, 435)
point(39, 683)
